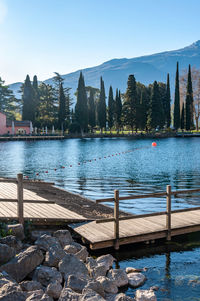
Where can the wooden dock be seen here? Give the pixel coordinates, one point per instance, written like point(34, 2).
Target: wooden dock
point(116, 231)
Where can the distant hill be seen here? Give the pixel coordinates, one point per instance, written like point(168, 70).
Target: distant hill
point(145, 68)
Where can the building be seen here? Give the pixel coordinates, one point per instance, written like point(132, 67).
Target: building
point(14, 127)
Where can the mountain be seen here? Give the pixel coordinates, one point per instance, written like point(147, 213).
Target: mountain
point(145, 68)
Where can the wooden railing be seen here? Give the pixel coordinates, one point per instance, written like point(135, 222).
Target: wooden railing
point(168, 194)
point(20, 199)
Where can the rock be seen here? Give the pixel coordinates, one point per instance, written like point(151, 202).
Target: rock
point(154, 288)
point(46, 275)
point(95, 286)
point(133, 270)
point(53, 256)
point(45, 242)
point(54, 289)
point(91, 263)
point(12, 242)
point(46, 297)
point(136, 279)
point(8, 286)
point(70, 249)
point(70, 265)
point(91, 295)
point(35, 295)
point(23, 264)
point(109, 286)
point(68, 294)
point(30, 286)
point(119, 276)
point(64, 237)
point(145, 295)
point(75, 283)
point(106, 260)
point(14, 296)
point(16, 230)
point(95, 270)
point(6, 253)
point(37, 233)
point(82, 254)
point(118, 297)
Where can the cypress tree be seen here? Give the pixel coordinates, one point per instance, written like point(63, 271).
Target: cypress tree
point(101, 107)
point(28, 109)
point(168, 106)
point(142, 112)
point(118, 110)
point(177, 102)
point(36, 96)
point(155, 116)
point(91, 110)
point(111, 109)
point(189, 103)
point(183, 117)
point(81, 108)
point(61, 108)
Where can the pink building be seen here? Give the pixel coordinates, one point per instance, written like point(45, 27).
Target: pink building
point(13, 127)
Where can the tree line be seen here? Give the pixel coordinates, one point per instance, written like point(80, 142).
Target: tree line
point(139, 108)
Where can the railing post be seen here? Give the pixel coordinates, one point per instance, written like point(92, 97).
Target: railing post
point(168, 217)
point(116, 222)
point(20, 207)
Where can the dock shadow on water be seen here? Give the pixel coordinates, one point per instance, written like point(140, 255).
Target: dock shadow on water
point(174, 267)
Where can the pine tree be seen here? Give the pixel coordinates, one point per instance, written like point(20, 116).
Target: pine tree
point(183, 117)
point(111, 109)
point(7, 100)
point(81, 108)
point(130, 103)
point(61, 109)
point(189, 103)
point(91, 110)
point(177, 102)
point(168, 106)
point(101, 107)
point(118, 110)
point(156, 115)
point(28, 109)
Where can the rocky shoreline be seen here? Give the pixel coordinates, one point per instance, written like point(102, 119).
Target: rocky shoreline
point(52, 266)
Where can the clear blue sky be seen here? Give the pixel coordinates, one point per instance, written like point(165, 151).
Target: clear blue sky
point(43, 36)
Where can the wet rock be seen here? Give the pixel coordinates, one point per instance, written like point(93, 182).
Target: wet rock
point(82, 254)
point(30, 286)
point(12, 242)
point(23, 264)
point(75, 283)
point(68, 294)
point(46, 275)
point(106, 260)
point(119, 276)
point(90, 295)
point(16, 230)
point(96, 286)
point(109, 286)
point(64, 237)
point(70, 265)
point(133, 270)
point(136, 279)
point(145, 295)
point(154, 288)
point(6, 253)
point(54, 289)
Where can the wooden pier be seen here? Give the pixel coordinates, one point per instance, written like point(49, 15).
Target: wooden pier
point(116, 231)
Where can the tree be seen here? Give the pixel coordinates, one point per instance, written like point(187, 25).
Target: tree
point(28, 109)
point(177, 101)
point(118, 110)
point(81, 108)
point(36, 96)
point(167, 107)
point(101, 106)
point(144, 93)
point(7, 100)
point(130, 105)
point(156, 115)
point(111, 109)
point(62, 114)
point(183, 117)
point(91, 110)
point(189, 103)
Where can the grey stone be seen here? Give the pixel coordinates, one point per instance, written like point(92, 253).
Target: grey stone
point(70, 265)
point(46, 275)
point(100, 270)
point(119, 276)
point(70, 249)
point(75, 283)
point(23, 264)
point(30, 285)
point(35, 295)
point(54, 289)
point(7, 285)
point(68, 294)
point(118, 297)
point(136, 279)
point(64, 237)
point(109, 286)
point(82, 254)
point(90, 295)
point(45, 241)
point(46, 297)
point(6, 253)
point(14, 296)
point(145, 295)
point(12, 241)
point(106, 260)
point(16, 230)
point(133, 270)
point(53, 256)
point(37, 233)
point(95, 286)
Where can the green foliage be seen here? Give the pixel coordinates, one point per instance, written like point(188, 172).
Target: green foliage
point(118, 110)
point(91, 110)
point(101, 106)
point(111, 108)
point(156, 113)
point(177, 102)
point(28, 110)
point(8, 103)
point(183, 117)
point(61, 108)
point(167, 106)
point(81, 108)
point(189, 103)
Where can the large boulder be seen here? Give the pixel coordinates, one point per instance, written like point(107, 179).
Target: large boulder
point(75, 283)
point(9, 289)
point(90, 295)
point(82, 254)
point(54, 289)
point(46, 275)
point(95, 286)
point(70, 265)
point(39, 295)
point(16, 230)
point(94, 269)
point(30, 286)
point(145, 295)
point(70, 249)
point(106, 260)
point(109, 286)
point(6, 253)
point(23, 264)
point(68, 294)
point(118, 297)
point(136, 279)
point(63, 236)
point(119, 276)
point(12, 241)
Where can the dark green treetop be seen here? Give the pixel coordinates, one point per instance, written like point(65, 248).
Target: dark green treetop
point(81, 108)
point(183, 117)
point(28, 109)
point(111, 108)
point(189, 103)
point(177, 121)
point(101, 106)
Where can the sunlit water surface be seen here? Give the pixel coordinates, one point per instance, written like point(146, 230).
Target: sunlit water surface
point(95, 167)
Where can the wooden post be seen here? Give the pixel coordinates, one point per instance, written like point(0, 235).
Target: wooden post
point(116, 217)
point(20, 207)
point(168, 217)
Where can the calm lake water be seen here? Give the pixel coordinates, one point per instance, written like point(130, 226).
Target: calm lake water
point(95, 167)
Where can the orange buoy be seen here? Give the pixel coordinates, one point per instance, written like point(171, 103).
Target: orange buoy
point(154, 144)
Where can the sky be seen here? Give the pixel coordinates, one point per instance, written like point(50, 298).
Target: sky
point(46, 36)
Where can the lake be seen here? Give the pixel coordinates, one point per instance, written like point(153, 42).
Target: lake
point(95, 167)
